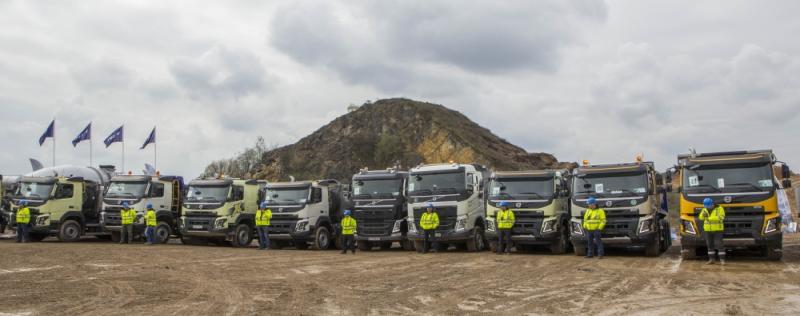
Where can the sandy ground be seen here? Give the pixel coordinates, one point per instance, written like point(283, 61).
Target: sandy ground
point(101, 278)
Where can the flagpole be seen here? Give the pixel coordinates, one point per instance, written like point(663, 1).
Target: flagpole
point(155, 152)
point(54, 142)
point(90, 149)
point(123, 155)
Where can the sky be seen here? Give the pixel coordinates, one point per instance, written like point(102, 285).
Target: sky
point(581, 79)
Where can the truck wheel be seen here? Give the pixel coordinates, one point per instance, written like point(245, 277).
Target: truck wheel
point(363, 245)
point(652, 249)
point(116, 236)
point(38, 237)
point(579, 250)
point(407, 245)
point(475, 243)
point(559, 246)
point(774, 252)
point(162, 233)
point(70, 231)
point(322, 239)
point(688, 253)
point(243, 236)
point(302, 245)
point(337, 243)
point(386, 245)
point(418, 245)
point(493, 246)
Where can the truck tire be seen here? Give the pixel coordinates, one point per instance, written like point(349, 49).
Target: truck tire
point(418, 245)
point(363, 245)
point(116, 236)
point(407, 245)
point(162, 233)
point(243, 236)
point(37, 237)
point(322, 239)
point(559, 246)
point(337, 243)
point(688, 253)
point(493, 246)
point(774, 252)
point(70, 231)
point(579, 250)
point(386, 245)
point(653, 248)
point(476, 242)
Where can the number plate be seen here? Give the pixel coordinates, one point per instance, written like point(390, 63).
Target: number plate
point(374, 238)
point(197, 226)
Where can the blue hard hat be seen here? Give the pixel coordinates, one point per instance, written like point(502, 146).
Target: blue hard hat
point(23, 202)
point(708, 202)
point(263, 204)
point(125, 204)
point(149, 205)
point(502, 204)
point(591, 200)
point(347, 212)
point(430, 205)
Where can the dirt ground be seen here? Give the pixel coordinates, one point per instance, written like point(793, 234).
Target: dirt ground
point(101, 278)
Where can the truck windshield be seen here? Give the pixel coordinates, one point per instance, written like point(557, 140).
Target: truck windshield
point(728, 178)
point(437, 183)
point(34, 190)
point(522, 188)
point(606, 184)
point(126, 189)
point(286, 195)
point(218, 193)
point(377, 188)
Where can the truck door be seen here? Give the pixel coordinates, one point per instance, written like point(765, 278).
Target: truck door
point(157, 197)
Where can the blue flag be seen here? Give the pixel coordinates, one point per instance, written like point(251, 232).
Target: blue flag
point(150, 139)
point(116, 136)
point(86, 134)
point(49, 133)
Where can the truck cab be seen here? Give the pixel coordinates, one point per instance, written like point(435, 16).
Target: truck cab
point(456, 192)
point(305, 212)
point(221, 211)
point(380, 208)
point(631, 195)
point(540, 202)
point(165, 193)
point(742, 182)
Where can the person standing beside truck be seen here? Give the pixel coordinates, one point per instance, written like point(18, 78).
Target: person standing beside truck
point(348, 229)
point(128, 216)
point(594, 220)
point(429, 223)
point(151, 222)
point(263, 216)
point(23, 222)
point(505, 222)
point(713, 228)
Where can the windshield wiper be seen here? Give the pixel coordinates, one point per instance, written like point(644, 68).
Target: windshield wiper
point(421, 192)
point(625, 191)
point(706, 186)
point(508, 195)
point(589, 192)
point(747, 184)
point(537, 195)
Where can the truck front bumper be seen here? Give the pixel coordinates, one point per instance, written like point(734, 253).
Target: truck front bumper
point(444, 236)
point(773, 238)
point(385, 238)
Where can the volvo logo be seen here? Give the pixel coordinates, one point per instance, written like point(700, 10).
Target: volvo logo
point(519, 204)
point(609, 203)
point(727, 199)
point(280, 210)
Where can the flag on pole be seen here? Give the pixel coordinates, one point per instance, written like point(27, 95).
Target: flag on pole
point(86, 134)
point(49, 133)
point(150, 139)
point(116, 136)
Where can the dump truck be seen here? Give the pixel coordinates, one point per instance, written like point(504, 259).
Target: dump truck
point(306, 213)
point(379, 207)
point(456, 191)
point(65, 201)
point(165, 193)
point(220, 211)
point(631, 195)
point(745, 184)
point(540, 201)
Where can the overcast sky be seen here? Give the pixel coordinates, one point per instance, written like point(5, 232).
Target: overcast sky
point(581, 79)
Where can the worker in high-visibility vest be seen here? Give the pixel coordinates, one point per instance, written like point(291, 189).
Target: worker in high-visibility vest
point(23, 222)
point(594, 220)
point(263, 216)
point(127, 216)
point(505, 222)
point(349, 227)
point(429, 222)
point(713, 217)
point(151, 222)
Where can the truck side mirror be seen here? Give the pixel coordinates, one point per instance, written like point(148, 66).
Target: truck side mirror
point(787, 183)
point(659, 179)
point(668, 188)
point(785, 172)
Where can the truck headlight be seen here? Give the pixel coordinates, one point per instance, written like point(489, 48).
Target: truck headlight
point(396, 228)
point(301, 225)
point(646, 225)
point(490, 224)
point(772, 225)
point(688, 227)
point(42, 220)
point(461, 223)
point(411, 227)
point(220, 222)
point(549, 225)
point(577, 229)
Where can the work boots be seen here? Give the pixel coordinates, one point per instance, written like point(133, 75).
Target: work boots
point(710, 261)
point(722, 261)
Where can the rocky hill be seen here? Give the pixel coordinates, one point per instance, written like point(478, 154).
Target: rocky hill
point(381, 134)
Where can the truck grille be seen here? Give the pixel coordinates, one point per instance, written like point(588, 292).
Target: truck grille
point(527, 222)
point(281, 226)
point(112, 218)
point(447, 217)
point(375, 221)
point(199, 223)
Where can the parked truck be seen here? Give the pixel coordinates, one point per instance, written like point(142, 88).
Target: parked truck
point(165, 193)
point(220, 211)
point(380, 208)
point(64, 201)
point(631, 195)
point(744, 183)
point(457, 193)
point(306, 213)
point(540, 201)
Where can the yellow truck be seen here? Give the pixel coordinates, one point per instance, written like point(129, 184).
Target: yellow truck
point(744, 183)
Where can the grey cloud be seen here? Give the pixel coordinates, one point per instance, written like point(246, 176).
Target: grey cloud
point(220, 73)
point(101, 75)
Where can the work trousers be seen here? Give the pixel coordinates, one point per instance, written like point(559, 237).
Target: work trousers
point(126, 235)
point(504, 239)
point(23, 232)
point(593, 239)
point(348, 243)
point(263, 237)
point(714, 242)
point(428, 239)
point(150, 234)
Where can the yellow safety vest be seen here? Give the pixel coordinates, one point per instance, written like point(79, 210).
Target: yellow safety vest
point(348, 225)
point(594, 219)
point(429, 221)
point(128, 216)
point(23, 216)
point(263, 217)
point(714, 221)
point(151, 218)
point(505, 219)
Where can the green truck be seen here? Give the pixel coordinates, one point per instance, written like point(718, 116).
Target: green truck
point(165, 193)
point(220, 211)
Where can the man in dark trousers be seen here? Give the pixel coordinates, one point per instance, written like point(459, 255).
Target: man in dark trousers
point(505, 222)
point(594, 221)
point(348, 230)
point(429, 223)
point(23, 222)
point(713, 217)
